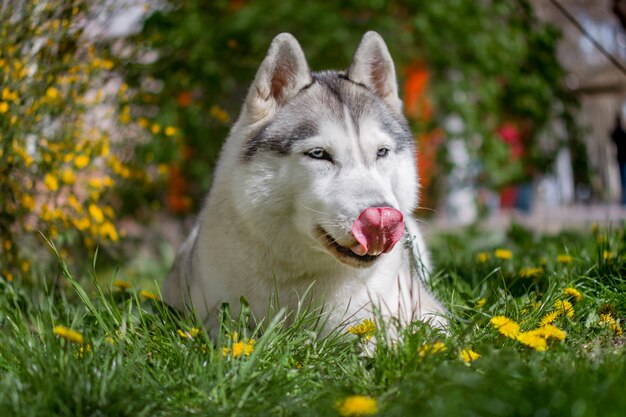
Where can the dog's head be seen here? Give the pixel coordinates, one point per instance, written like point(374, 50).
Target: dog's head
point(326, 158)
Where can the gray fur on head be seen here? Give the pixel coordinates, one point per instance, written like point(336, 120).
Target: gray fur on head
point(373, 67)
point(283, 73)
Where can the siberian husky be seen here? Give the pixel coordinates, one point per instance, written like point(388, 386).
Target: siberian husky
point(313, 193)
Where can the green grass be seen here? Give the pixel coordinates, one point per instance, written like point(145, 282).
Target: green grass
point(134, 362)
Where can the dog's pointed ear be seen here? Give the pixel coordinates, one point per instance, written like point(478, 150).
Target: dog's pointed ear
point(373, 67)
point(283, 73)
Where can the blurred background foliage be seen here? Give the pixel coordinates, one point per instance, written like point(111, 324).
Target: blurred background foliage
point(66, 137)
point(98, 128)
point(488, 65)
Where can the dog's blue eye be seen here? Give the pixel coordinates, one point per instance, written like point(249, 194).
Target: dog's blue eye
point(382, 152)
point(319, 153)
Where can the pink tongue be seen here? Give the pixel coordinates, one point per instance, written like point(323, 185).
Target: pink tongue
point(377, 229)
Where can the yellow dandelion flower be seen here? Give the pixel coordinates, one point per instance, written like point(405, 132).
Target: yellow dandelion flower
point(188, 334)
point(81, 161)
point(51, 182)
point(505, 326)
point(468, 355)
point(170, 131)
point(532, 340)
point(121, 285)
point(8, 276)
point(155, 129)
point(564, 259)
point(607, 255)
point(503, 254)
point(4, 107)
point(481, 302)
point(83, 350)
point(608, 321)
point(432, 348)
point(143, 122)
point(240, 347)
point(357, 405)
point(564, 307)
point(549, 331)
point(149, 295)
point(482, 257)
point(68, 334)
point(574, 293)
point(25, 266)
point(243, 348)
point(365, 329)
point(531, 272)
point(549, 318)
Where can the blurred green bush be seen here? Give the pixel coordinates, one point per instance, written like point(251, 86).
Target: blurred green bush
point(488, 63)
point(66, 137)
point(94, 129)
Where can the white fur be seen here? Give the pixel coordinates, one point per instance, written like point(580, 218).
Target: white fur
point(255, 234)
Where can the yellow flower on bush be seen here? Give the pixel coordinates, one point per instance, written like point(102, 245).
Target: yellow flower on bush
point(574, 293)
point(52, 93)
point(219, 114)
point(468, 355)
point(96, 213)
point(68, 177)
point(503, 254)
point(28, 202)
point(505, 326)
point(357, 405)
point(68, 334)
point(107, 231)
point(4, 107)
point(365, 329)
point(81, 224)
point(74, 203)
point(81, 161)
point(51, 182)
